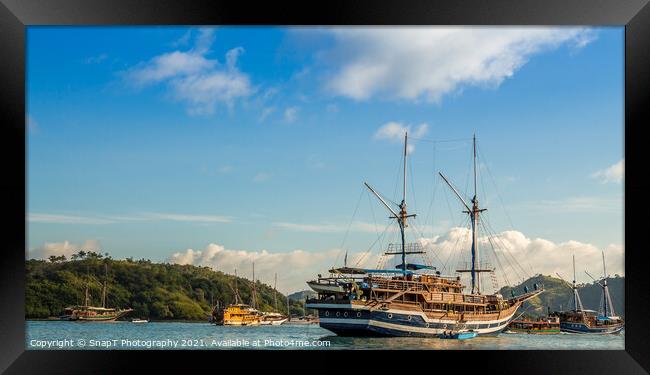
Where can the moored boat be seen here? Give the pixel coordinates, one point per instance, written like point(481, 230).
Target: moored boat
point(412, 299)
point(88, 313)
point(542, 326)
point(580, 320)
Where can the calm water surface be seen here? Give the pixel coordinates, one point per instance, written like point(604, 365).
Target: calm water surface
point(57, 335)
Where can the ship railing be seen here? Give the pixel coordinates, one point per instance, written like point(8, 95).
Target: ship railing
point(381, 283)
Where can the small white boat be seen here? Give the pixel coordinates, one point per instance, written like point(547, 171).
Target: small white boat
point(320, 286)
point(139, 321)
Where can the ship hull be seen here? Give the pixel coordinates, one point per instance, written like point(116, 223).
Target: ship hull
point(350, 320)
point(572, 327)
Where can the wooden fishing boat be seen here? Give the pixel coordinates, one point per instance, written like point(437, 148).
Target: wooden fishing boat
point(580, 320)
point(542, 326)
point(88, 313)
point(412, 299)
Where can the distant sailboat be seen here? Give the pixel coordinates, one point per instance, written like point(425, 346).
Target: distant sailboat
point(87, 313)
point(580, 320)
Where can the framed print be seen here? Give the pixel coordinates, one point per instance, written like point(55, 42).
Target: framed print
point(211, 182)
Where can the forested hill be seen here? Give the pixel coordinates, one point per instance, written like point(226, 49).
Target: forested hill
point(157, 291)
point(557, 295)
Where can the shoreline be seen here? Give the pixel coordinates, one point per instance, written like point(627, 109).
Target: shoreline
point(126, 321)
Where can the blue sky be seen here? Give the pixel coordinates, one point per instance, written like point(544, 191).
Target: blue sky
point(221, 146)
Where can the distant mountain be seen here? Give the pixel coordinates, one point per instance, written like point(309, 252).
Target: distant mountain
point(558, 295)
point(302, 295)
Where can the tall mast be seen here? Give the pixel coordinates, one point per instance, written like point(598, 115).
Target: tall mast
point(105, 285)
point(236, 290)
point(473, 212)
point(275, 292)
point(577, 303)
point(575, 292)
point(402, 215)
point(402, 206)
point(254, 296)
point(87, 297)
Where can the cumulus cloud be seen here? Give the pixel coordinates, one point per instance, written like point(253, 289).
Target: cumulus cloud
point(62, 248)
point(394, 132)
point(194, 78)
point(294, 268)
point(519, 257)
point(612, 173)
point(425, 63)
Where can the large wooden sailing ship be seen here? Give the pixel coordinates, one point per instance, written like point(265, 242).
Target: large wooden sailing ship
point(88, 313)
point(579, 320)
point(411, 300)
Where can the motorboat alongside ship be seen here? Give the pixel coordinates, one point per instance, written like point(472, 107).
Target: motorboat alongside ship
point(412, 299)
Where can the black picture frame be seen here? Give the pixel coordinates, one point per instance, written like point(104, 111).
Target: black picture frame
point(15, 15)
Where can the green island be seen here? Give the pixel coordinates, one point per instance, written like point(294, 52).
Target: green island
point(158, 291)
point(558, 296)
point(163, 291)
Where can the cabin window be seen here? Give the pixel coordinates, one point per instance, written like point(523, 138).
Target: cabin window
point(338, 313)
point(358, 314)
point(410, 317)
point(345, 314)
point(327, 313)
point(390, 316)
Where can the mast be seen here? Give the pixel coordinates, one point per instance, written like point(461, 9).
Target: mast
point(275, 292)
point(402, 215)
point(577, 303)
point(87, 297)
point(105, 285)
point(608, 306)
point(236, 290)
point(402, 207)
point(254, 296)
point(473, 212)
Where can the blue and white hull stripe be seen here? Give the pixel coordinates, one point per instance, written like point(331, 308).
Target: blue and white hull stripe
point(360, 320)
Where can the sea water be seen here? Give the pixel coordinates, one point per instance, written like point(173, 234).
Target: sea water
point(62, 335)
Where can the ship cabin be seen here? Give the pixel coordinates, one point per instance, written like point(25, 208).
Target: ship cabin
point(426, 292)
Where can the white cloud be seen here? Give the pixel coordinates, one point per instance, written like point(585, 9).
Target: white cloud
point(261, 177)
point(96, 59)
point(394, 132)
point(266, 112)
point(426, 63)
point(521, 256)
point(290, 114)
point(580, 204)
point(66, 219)
point(225, 169)
point(294, 268)
point(356, 226)
point(612, 173)
point(63, 248)
point(194, 78)
point(111, 219)
point(188, 218)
